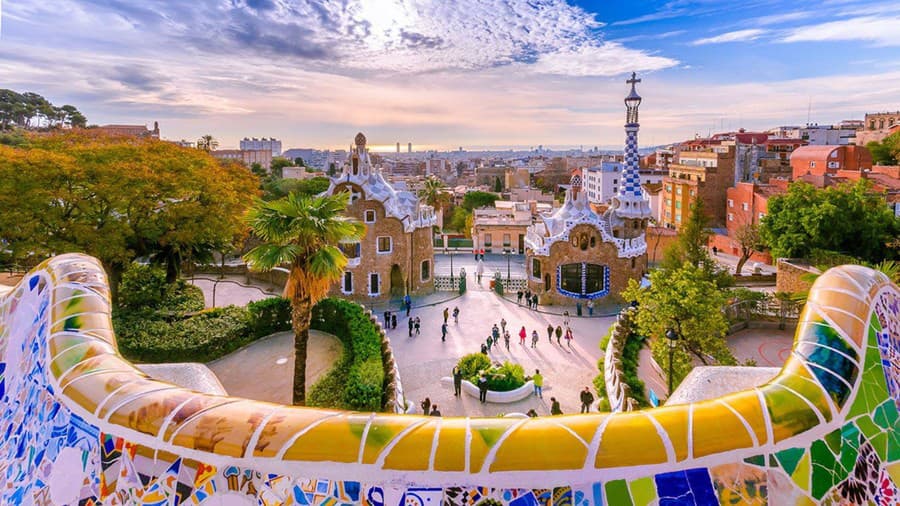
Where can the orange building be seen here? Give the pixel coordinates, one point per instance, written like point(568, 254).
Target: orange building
point(828, 160)
point(700, 172)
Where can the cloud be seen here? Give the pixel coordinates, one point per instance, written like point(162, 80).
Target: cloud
point(736, 36)
point(879, 30)
point(609, 58)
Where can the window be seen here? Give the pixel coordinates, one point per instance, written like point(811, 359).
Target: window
point(426, 270)
point(730, 217)
point(668, 202)
point(505, 240)
point(535, 268)
point(615, 189)
point(370, 216)
point(374, 283)
point(762, 215)
point(669, 188)
point(745, 206)
point(349, 249)
point(615, 181)
point(693, 193)
point(384, 244)
point(678, 191)
point(730, 203)
point(678, 217)
point(583, 280)
point(834, 154)
point(677, 204)
point(488, 241)
point(347, 282)
point(812, 165)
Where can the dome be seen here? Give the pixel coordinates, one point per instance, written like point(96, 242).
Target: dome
point(360, 139)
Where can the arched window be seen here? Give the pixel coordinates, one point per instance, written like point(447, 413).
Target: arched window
point(583, 280)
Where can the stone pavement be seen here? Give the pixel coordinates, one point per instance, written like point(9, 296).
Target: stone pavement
point(232, 290)
point(264, 369)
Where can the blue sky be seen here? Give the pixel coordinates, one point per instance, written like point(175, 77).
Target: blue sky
point(445, 74)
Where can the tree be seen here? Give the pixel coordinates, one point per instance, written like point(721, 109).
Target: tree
point(685, 300)
point(850, 219)
point(691, 247)
point(886, 152)
point(433, 194)
point(478, 199)
point(274, 188)
point(498, 184)
point(118, 199)
point(18, 110)
point(303, 233)
point(748, 238)
point(207, 143)
point(278, 164)
point(299, 162)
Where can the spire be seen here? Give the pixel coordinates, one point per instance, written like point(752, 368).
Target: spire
point(630, 203)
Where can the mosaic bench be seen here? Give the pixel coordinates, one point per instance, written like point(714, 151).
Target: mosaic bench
point(81, 425)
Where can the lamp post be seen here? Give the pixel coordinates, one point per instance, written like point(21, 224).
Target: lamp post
point(672, 338)
point(507, 252)
point(448, 251)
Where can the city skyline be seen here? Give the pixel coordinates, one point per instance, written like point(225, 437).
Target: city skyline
point(497, 73)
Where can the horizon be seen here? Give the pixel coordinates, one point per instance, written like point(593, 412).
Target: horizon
point(502, 74)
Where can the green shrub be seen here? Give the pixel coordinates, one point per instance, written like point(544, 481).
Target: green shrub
point(507, 377)
point(269, 316)
point(629, 360)
point(144, 287)
point(143, 336)
point(357, 381)
point(472, 364)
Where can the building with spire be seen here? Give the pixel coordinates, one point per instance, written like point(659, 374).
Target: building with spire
point(396, 256)
point(576, 254)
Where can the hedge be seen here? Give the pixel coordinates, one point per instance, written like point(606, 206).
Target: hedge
point(502, 378)
point(356, 381)
point(629, 360)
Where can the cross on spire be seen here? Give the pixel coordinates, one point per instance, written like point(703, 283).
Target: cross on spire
point(634, 80)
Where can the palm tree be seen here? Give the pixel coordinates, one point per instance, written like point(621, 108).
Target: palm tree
point(433, 194)
point(303, 233)
point(207, 143)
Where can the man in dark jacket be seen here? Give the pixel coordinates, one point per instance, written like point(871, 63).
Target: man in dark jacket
point(554, 407)
point(457, 381)
point(482, 389)
point(587, 398)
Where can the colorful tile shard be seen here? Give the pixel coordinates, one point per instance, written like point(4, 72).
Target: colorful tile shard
point(80, 425)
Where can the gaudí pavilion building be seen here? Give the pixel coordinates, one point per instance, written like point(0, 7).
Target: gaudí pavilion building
point(396, 256)
point(575, 254)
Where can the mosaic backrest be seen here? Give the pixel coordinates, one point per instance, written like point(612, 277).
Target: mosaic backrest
point(81, 425)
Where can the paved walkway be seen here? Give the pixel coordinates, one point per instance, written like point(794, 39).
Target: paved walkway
point(264, 370)
point(232, 290)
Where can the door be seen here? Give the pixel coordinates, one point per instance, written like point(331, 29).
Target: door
point(521, 244)
point(397, 285)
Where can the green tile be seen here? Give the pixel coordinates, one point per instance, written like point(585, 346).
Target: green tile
point(880, 443)
point(756, 460)
point(823, 465)
point(789, 459)
point(849, 446)
point(617, 493)
point(643, 491)
point(867, 426)
point(873, 387)
point(833, 440)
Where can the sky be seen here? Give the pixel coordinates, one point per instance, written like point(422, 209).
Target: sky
point(443, 74)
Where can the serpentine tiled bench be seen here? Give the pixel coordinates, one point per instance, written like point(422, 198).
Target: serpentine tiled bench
point(81, 425)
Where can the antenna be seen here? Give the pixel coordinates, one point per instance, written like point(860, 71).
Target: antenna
point(809, 111)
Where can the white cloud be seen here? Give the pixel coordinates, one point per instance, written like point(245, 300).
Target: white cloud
point(736, 36)
point(880, 30)
point(606, 59)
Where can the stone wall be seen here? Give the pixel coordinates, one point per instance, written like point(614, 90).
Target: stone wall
point(561, 253)
point(84, 426)
point(407, 252)
point(790, 274)
point(617, 391)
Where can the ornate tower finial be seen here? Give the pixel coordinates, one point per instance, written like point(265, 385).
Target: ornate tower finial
point(629, 203)
point(360, 140)
point(632, 101)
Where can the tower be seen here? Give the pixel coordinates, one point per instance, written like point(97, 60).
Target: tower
point(630, 211)
point(398, 147)
point(409, 148)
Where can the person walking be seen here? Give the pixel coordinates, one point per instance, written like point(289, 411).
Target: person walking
point(528, 297)
point(444, 331)
point(489, 342)
point(506, 339)
point(715, 251)
point(387, 319)
point(538, 383)
point(550, 332)
point(456, 315)
point(410, 327)
point(554, 407)
point(475, 251)
point(446, 314)
point(484, 349)
point(519, 297)
point(482, 253)
point(522, 334)
point(495, 332)
point(587, 398)
point(407, 301)
point(534, 338)
point(566, 318)
point(534, 301)
point(569, 336)
point(418, 325)
point(590, 307)
point(434, 411)
point(558, 334)
point(393, 320)
point(482, 388)
point(503, 324)
point(426, 406)
point(457, 381)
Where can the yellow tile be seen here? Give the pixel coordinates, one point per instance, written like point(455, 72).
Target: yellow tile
point(540, 444)
point(717, 429)
point(413, 451)
point(630, 439)
point(674, 419)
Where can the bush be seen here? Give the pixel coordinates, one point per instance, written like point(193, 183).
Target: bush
point(472, 364)
point(630, 355)
point(269, 316)
point(357, 381)
point(144, 287)
point(144, 336)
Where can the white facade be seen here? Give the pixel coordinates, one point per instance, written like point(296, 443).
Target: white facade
point(827, 135)
point(254, 144)
point(601, 183)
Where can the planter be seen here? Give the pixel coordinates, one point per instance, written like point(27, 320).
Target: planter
point(497, 397)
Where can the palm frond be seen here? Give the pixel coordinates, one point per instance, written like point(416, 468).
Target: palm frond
point(266, 257)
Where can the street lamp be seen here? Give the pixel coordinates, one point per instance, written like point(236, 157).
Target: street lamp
point(507, 252)
point(672, 338)
point(450, 252)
